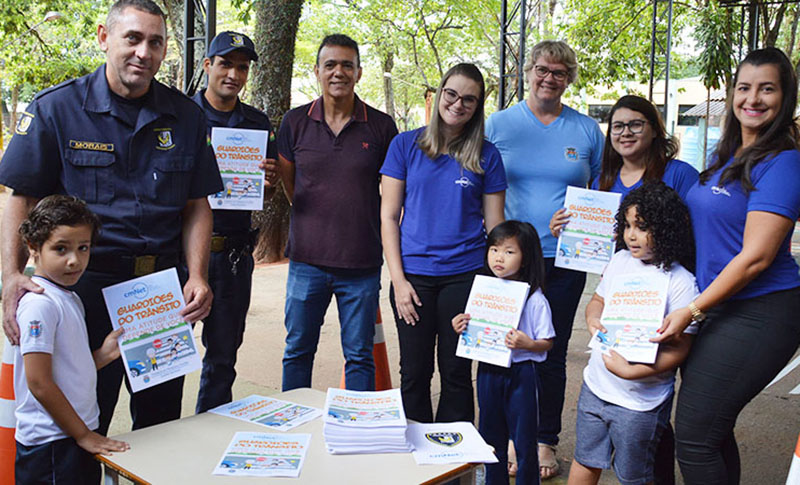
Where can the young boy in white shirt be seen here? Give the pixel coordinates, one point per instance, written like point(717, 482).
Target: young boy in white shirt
point(55, 373)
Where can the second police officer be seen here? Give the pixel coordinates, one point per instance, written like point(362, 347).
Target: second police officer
point(230, 270)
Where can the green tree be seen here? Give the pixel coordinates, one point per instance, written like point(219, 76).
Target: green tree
point(714, 34)
point(271, 80)
point(39, 56)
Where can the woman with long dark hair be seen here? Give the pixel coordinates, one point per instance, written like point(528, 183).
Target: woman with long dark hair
point(638, 149)
point(449, 185)
point(743, 211)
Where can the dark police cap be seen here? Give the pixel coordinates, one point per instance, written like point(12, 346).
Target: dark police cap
point(226, 42)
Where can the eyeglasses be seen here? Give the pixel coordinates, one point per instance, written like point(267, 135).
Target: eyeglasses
point(451, 96)
point(542, 72)
point(636, 127)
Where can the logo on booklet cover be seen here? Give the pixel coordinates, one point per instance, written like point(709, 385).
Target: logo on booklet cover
point(444, 438)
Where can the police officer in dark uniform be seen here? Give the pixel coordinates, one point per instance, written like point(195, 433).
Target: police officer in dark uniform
point(230, 270)
point(136, 152)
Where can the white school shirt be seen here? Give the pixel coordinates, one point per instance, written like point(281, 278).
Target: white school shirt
point(537, 323)
point(54, 323)
point(646, 393)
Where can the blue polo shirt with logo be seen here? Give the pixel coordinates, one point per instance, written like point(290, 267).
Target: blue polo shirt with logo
point(542, 160)
point(442, 230)
point(719, 213)
point(335, 217)
point(136, 175)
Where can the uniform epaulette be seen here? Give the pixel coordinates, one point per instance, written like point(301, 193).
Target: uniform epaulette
point(51, 89)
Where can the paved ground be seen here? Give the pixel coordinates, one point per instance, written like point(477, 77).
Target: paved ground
point(767, 430)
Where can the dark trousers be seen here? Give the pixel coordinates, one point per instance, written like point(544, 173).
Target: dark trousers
point(563, 291)
point(738, 351)
point(55, 462)
point(223, 328)
point(507, 399)
point(151, 406)
point(443, 297)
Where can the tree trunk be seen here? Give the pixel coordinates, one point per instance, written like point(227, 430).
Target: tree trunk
point(271, 81)
point(174, 11)
point(388, 90)
point(14, 105)
point(793, 35)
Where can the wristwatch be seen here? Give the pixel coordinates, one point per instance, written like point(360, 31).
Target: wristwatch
point(697, 315)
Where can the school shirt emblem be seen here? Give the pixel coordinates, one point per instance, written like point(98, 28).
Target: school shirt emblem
point(571, 154)
point(35, 328)
point(24, 123)
point(164, 138)
point(445, 438)
point(237, 40)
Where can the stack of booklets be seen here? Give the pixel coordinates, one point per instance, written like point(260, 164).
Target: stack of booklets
point(365, 422)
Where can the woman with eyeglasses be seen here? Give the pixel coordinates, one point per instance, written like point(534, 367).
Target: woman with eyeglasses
point(637, 149)
point(547, 146)
point(743, 212)
point(443, 189)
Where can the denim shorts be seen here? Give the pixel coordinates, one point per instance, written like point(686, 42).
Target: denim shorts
point(608, 434)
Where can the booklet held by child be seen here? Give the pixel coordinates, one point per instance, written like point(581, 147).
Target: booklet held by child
point(633, 311)
point(495, 306)
point(158, 344)
point(587, 241)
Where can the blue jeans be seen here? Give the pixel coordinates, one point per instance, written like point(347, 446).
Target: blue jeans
point(308, 293)
point(563, 291)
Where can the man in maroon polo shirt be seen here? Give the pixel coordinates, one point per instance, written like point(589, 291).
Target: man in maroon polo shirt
point(330, 152)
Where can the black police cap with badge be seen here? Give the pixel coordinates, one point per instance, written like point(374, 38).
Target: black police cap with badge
point(226, 42)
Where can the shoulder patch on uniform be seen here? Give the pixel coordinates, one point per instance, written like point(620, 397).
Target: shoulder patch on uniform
point(35, 328)
point(24, 123)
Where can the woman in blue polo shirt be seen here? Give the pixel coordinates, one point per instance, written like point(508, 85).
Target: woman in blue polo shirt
point(638, 148)
point(449, 185)
point(743, 211)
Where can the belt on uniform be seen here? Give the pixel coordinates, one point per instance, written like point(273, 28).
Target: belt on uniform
point(131, 266)
point(241, 241)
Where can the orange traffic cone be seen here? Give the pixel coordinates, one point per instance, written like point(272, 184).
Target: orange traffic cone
point(8, 447)
point(383, 380)
point(794, 471)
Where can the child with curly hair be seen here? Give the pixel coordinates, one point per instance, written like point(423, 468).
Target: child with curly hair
point(625, 407)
